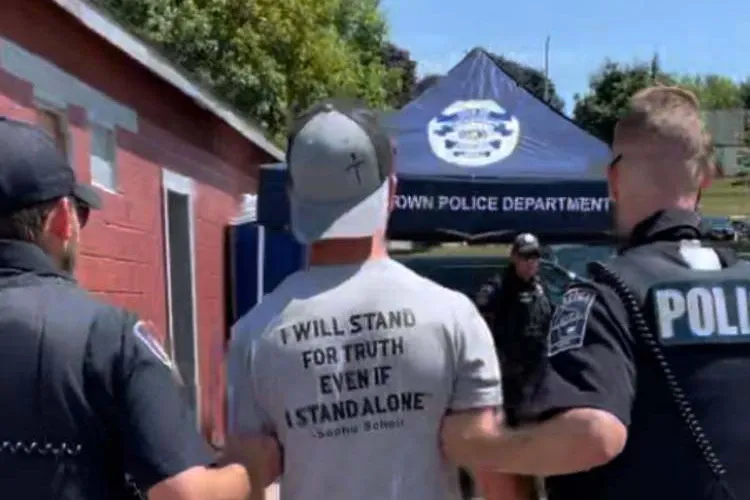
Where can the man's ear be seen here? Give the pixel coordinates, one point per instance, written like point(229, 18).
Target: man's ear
point(613, 177)
point(60, 220)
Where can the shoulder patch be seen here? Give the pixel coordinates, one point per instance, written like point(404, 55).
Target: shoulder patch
point(145, 331)
point(484, 295)
point(568, 325)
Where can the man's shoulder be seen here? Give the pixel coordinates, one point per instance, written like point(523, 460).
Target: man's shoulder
point(415, 282)
point(586, 306)
point(84, 305)
point(592, 291)
point(255, 322)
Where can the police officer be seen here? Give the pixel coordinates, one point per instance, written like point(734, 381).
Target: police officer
point(518, 310)
point(644, 396)
point(87, 394)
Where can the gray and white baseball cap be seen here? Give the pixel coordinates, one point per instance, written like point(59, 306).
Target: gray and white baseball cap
point(339, 160)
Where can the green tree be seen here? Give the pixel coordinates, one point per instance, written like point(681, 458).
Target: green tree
point(531, 79)
point(398, 59)
point(425, 83)
point(713, 91)
point(745, 94)
point(609, 93)
point(271, 58)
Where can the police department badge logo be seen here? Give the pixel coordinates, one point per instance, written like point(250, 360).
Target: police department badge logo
point(568, 326)
point(483, 297)
point(145, 331)
point(473, 133)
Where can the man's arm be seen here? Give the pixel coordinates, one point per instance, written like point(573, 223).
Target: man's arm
point(132, 384)
point(584, 400)
point(497, 486)
point(573, 441)
point(478, 393)
point(251, 440)
point(494, 485)
point(230, 482)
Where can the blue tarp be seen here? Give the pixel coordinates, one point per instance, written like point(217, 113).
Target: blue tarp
point(478, 154)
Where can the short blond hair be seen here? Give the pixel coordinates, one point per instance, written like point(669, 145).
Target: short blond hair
point(663, 129)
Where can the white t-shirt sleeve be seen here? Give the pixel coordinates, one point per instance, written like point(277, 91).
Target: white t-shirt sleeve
point(477, 382)
point(246, 414)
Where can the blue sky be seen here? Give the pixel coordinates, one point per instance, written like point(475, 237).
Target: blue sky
point(690, 37)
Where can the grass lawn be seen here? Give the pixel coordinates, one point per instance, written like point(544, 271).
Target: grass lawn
point(724, 199)
point(469, 251)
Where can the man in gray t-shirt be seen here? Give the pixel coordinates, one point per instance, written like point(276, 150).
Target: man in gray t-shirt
point(354, 362)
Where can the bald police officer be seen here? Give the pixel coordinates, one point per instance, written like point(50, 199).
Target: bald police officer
point(88, 395)
point(644, 393)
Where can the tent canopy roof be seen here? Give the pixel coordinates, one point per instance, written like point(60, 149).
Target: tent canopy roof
point(477, 122)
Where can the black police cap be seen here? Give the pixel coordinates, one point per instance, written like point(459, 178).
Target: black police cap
point(526, 244)
point(33, 170)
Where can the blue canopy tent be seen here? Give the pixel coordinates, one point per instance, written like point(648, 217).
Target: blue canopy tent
point(479, 157)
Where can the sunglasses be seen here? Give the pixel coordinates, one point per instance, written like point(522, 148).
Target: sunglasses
point(615, 161)
point(529, 256)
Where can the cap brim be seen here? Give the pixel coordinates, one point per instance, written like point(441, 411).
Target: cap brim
point(528, 251)
point(88, 196)
point(315, 221)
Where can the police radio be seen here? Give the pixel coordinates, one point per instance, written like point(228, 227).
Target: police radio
point(604, 275)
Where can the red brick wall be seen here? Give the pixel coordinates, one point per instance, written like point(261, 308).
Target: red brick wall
point(123, 247)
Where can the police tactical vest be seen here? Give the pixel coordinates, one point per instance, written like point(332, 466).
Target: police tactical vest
point(689, 436)
point(53, 443)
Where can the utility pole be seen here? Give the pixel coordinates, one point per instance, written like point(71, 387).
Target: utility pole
point(546, 69)
point(655, 67)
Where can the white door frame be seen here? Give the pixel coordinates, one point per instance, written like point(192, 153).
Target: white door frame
point(181, 184)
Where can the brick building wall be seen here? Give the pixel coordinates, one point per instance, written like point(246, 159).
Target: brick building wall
point(123, 248)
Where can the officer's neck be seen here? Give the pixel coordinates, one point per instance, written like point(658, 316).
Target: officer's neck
point(524, 280)
point(636, 213)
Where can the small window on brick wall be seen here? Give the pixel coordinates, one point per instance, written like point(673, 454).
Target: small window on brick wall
point(103, 157)
point(55, 124)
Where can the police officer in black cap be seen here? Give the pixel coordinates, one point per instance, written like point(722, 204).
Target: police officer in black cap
point(518, 311)
point(644, 396)
point(88, 396)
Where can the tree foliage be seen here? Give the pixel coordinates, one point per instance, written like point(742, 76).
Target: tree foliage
point(611, 87)
point(425, 84)
point(609, 92)
point(713, 91)
point(745, 94)
point(398, 59)
point(530, 78)
point(270, 58)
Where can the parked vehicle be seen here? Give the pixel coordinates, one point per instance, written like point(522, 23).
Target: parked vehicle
point(741, 225)
point(721, 228)
point(466, 271)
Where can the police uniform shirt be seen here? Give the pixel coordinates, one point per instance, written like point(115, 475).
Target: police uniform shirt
point(140, 390)
point(122, 407)
point(596, 362)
